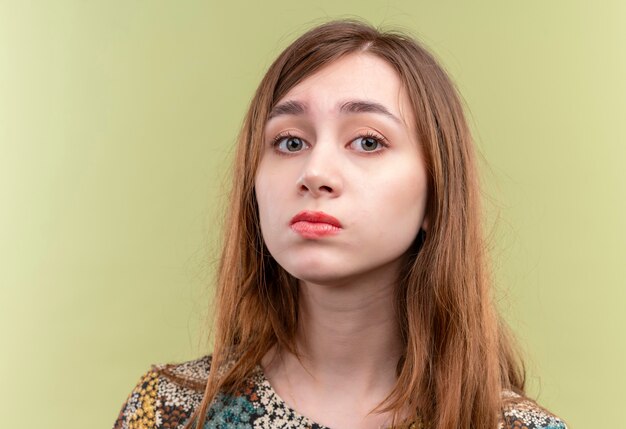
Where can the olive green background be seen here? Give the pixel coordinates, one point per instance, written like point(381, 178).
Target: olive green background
point(117, 126)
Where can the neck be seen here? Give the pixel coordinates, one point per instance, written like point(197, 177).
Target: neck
point(348, 345)
point(347, 333)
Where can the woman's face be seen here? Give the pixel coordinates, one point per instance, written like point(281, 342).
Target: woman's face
point(342, 144)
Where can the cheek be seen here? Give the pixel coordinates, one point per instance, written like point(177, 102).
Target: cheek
point(409, 196)
point(263, 192)
point(270, 195)
point(397, 207)
point(264, 184)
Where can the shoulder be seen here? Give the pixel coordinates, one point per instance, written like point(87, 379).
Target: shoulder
point(165, 396)
point(523, 413)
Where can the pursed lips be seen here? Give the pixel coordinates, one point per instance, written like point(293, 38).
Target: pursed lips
point(315, 224)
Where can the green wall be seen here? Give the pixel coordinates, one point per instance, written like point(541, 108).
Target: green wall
point(117, 123)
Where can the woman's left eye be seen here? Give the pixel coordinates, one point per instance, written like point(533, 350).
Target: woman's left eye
point(367, 143)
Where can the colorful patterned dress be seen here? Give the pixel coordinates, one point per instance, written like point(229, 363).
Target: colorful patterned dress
point(167, 395)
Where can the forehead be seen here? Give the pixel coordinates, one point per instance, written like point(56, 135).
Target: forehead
point(359, 76)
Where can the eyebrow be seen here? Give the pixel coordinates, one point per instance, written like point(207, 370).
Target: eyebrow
point(351, 106)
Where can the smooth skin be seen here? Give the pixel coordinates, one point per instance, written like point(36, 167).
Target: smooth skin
point(364, 166)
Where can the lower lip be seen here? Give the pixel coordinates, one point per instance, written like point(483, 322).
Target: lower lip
point(314, 229)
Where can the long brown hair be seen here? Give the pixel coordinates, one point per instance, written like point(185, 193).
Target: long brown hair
point(458, 357)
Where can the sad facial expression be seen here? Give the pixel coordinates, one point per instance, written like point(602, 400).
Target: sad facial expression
point(342, 185)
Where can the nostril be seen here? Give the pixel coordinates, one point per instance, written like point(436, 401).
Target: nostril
point(317, 185)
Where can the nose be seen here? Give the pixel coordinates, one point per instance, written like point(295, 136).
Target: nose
point(321, 175)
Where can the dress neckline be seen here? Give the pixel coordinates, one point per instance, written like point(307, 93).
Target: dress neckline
point(268, 394)
point(266, 389)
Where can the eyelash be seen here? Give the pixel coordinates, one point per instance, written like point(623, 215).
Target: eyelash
point(368, 134)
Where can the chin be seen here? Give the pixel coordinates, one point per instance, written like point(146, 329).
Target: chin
point(321, 275)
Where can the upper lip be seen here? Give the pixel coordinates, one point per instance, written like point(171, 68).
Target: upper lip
point(318, 217)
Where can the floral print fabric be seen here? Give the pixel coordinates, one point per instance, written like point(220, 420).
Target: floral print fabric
point(167, 395)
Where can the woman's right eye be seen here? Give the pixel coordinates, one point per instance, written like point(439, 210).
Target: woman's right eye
point(289, 144)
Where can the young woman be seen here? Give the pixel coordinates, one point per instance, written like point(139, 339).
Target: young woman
point(353, 290)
